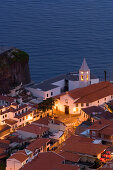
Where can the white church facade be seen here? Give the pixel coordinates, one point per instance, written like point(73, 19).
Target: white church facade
point(63, 83)
point(73, 101)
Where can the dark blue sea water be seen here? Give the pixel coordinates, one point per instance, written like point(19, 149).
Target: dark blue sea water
point(58, 34)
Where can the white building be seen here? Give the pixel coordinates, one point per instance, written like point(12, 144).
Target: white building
point(62, 83)
point(92, 95)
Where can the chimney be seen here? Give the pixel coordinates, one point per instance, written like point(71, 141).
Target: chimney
point(105, 74)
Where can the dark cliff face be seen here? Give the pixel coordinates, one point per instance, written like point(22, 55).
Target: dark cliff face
point(14, 69)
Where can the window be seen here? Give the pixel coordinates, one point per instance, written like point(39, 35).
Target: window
point(6, 115)
point(20, 120)
point(51, 93)
point(47, 94)
point(98, 101)
point(22, 111)
point(93, 133)
point(105, 99)
point(3, 117)
point(26, 108)
point(66, 101)
point(76, 104)
point(23, 118)
point(87, 104)
point(111, 97)
point(82, 104)
point(87, 77)
point(76, 109)
point(82, 78)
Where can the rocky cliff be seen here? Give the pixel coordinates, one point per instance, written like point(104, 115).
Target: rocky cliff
point(14, 69)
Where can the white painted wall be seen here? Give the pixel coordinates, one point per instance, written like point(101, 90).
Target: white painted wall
point(56, 91)
point(25, 134)
point(36, 92)
point(13, 164)
point(73, 85)
point(56, 127)
point(94, 81)
point(60, 83)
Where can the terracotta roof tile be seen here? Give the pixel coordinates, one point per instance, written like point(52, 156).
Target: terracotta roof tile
point(10, 121)
point(70, 156)
point(44, 161)
point(90, 93)
point(100, 124)
point(37, 144)
point(20, 156)
point(34, 129)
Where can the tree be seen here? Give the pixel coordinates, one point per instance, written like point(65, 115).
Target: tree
point(46, 105)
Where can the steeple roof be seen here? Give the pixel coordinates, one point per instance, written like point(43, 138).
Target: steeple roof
point(84, 66)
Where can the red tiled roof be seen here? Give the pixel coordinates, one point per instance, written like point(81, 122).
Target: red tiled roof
point(37, 144)
point(100, 124)
point(38, 130)
point(90, 93)
point(84, 148)
point(93, 109)
point(23, 114)
point(7, 98)
point(10, 121)
point(66, 167)
point(70, 156)
point(44, 121)
point(44, 161)
point(20, 156)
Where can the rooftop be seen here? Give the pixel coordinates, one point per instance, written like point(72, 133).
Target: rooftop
point(38, 130)
point(20, 156)
point(90, 93)
point(50, 83)
point(45, 160)
point(70, 156)
point(81, 147)
point(84, 66)
point(37, 144)
point(10, 121)
point(100, 124)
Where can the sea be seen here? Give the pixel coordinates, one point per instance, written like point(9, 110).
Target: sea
point(58, 34)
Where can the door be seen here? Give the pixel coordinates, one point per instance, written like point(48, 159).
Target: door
point(66, 109)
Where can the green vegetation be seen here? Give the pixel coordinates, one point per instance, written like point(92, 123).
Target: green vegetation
point(20, 56)
point(46, 105)
point(2, 165)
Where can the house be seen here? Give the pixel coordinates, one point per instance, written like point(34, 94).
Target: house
point(17, 160)
point(95, 113)
point(16, 115)
point(4, 130)
point(93, 95)
point(32, 131)
point(54, 125)
point(39, 145)
point(87, 151)
point(57, 129)
point(62, 83)
point(95, 129)
point(49, 161)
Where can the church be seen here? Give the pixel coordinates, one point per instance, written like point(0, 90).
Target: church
point(62, 83)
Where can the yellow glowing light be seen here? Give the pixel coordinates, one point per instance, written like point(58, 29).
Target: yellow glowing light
point(74, 110)
point(87, 72)
point(87, 77)
point(82, 77)
point(29, 117)
point(81, 72)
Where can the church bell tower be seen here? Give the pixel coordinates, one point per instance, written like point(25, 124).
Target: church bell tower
point(84, 75)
